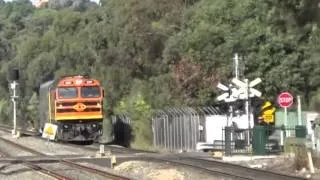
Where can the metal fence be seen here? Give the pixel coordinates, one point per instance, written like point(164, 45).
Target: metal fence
point(122, 130)
point(180, 129)
point(235, 141)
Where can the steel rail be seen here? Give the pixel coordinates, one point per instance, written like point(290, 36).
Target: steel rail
point(239, 169)
point(7, 128)
point(248, 173)
point(97, 171)
point(199, 167)
point(244, 168)
point(68, 162)
point(32, 151)
point(47, 171)
point(36, 167)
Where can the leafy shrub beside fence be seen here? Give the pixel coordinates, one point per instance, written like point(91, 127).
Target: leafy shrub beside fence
point(140, 113)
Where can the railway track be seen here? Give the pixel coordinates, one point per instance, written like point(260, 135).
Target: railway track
point(218, 168)
point(114, 149)
point(238, 171)
point(54, 173)
point(8, 129)
point(213, 167)
point(35, 167)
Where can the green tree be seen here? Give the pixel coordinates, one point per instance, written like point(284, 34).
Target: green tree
point(140, 113)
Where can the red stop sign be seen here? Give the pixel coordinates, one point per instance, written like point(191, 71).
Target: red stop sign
point(285, 99)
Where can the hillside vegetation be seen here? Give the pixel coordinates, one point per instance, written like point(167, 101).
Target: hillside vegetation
point(165, 52)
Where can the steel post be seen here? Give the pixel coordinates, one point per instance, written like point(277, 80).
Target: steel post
point(13, 98)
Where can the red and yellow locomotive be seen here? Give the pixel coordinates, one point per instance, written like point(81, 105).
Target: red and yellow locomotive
point(75, 105)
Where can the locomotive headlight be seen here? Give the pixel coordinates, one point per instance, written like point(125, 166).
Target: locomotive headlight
point(98, 105)
point(94, 125)
point(65, 126)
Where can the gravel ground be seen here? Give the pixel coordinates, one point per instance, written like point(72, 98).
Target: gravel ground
point(281, 164)
point(160, 171)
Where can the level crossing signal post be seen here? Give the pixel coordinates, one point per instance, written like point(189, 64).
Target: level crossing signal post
point(244, 90)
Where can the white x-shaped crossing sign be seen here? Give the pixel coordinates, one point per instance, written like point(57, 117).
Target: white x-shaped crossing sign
point(243, 87)
point(230, 94)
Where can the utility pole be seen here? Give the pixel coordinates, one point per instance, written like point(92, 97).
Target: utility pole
point(247, 99)
point(13, 99)
point(236, 65)
point(299, 110)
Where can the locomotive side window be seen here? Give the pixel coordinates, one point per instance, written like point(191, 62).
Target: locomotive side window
point(90, 92)
point(69, 92)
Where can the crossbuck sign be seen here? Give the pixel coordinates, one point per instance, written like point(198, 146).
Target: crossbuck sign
point(246, 87)
point(230, 94)
point(244, 91)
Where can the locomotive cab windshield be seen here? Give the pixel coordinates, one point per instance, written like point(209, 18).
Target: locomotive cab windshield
point(67, 92)
point(90, 92)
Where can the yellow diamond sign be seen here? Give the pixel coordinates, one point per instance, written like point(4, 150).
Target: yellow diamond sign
point(79, 107)
point(268, 115)
point(49, 131)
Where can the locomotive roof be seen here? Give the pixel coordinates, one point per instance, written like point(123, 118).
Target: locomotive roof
point(77, 81)
point(72, 78)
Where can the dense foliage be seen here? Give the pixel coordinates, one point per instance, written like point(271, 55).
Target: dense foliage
point(170, 52)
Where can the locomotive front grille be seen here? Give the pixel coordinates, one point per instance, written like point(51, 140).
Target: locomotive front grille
point(70, 104)
point(68, 107)
point(73, 110)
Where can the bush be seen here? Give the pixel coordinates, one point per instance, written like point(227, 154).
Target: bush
point(140, 113)
point(315, 102)
point(4, 111)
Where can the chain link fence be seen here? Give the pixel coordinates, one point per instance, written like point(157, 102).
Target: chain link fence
point(204, 128)
point(180, 129)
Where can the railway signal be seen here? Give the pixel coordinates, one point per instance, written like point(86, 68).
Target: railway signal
point(14, 76)
point(244, 91)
